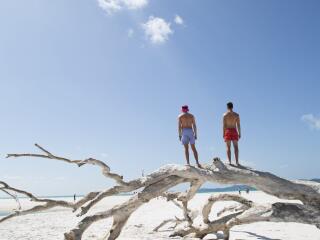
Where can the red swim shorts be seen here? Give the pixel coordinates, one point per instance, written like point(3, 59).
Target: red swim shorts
point(231, 134)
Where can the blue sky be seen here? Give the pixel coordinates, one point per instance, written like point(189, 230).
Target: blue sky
point(90, 79)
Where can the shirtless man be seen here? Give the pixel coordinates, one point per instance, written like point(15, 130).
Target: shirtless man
point(188, 133)
point(231, 131)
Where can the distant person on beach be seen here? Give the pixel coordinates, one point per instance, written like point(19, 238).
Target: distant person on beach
point(74, 197)
point(231, 131)
point(187, 129)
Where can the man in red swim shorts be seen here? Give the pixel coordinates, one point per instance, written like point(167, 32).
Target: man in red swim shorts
point(231, 131)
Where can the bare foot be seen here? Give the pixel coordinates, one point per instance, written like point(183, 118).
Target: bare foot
point(199, 165)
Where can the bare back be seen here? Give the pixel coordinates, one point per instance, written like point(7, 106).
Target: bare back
point(186, 120)
point(231, 120)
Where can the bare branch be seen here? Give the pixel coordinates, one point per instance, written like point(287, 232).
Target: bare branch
point(222, 197)
point(14, 196)
point(123, 211)
point(165, 222)
point(105, 168)
point(157, 183)
point(233, 208)
point(48, 203)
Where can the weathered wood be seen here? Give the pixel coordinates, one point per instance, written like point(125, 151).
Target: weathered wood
point(159, 182)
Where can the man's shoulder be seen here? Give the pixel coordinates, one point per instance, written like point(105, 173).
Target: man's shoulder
point(230, 114)
point(181, 115)
point(185, 116)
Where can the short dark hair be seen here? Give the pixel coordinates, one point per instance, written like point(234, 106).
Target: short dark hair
point(230, 105)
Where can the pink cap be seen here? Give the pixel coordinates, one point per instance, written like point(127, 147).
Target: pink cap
point(185, 108)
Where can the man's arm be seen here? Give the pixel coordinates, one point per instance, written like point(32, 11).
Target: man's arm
point(194, 126)
point(238, 126)
point(179, 128)
point(223, 125)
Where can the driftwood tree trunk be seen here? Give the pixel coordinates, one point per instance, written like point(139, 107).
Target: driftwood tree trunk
point(159, 182)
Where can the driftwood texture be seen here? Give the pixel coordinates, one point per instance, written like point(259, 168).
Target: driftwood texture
point(159, 182)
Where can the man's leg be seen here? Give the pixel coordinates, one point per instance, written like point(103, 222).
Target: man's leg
point(186, 151)
point(228, 143)
point(236, 151)
point(195, 153)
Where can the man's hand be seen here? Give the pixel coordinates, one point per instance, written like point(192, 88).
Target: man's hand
point(180, 138)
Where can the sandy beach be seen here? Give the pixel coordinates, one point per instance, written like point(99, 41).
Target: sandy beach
point(52, 224)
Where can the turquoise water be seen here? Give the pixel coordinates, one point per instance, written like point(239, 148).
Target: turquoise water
point(56, 197)
point(226, 189)
point(202, 190)
point(2, 213)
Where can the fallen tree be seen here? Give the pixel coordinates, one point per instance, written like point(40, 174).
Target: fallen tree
point(159, 182)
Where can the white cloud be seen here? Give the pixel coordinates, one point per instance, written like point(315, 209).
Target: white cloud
point(135, 4)
point(312, 121)
point(178, 20)
point(111, 6)
point(157, 30)
point(130, 33)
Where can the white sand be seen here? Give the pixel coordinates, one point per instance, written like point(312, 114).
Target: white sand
point(52, 224)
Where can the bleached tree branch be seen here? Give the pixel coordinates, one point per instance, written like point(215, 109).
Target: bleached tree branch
point(105, 168)
point(159, 182)
point(14, 196)
point(47, 203)
point(122, 212)
point(222, 197)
